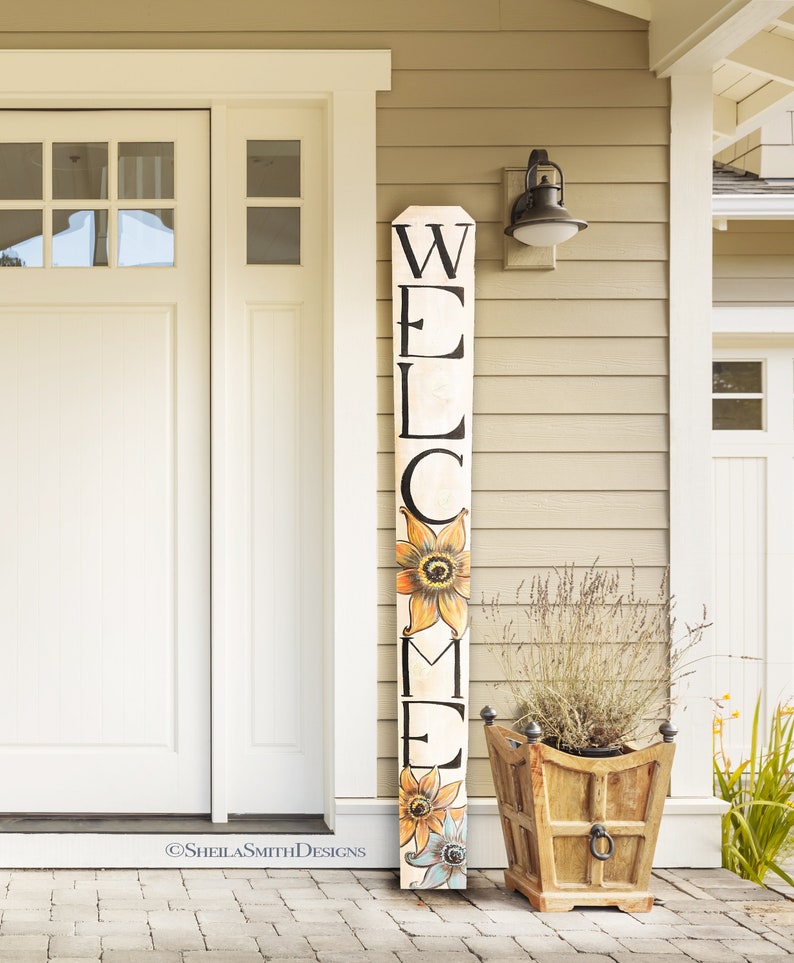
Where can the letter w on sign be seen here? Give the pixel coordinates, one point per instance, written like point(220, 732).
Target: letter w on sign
point(433, 312)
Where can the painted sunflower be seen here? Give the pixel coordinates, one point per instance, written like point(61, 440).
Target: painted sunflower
point(435, 574)
point(424, 805)
point(444, 857)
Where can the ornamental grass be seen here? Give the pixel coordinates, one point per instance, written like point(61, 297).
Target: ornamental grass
point(758, 829)
point(592, 663)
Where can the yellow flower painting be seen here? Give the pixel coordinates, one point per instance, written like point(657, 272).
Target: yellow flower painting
point(435, 573)
point(424, 804)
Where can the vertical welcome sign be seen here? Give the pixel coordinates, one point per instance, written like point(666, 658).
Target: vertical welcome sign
point(433, 298)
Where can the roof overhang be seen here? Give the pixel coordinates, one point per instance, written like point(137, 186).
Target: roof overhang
point(748, 45)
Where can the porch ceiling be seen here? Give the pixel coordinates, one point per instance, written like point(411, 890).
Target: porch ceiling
point(747, 44)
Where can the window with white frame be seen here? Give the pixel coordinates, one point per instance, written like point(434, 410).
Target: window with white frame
point(737, 388)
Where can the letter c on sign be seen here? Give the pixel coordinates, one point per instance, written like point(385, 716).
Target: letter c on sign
point(405, 485)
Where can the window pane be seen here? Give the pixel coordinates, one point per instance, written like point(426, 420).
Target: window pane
point(20, 172)
point(737, 414)
point(274, 235)
point(20, 239)
point(274, 168)
point(737, 377)
point(79, 171)
point(146, 238)
point(79, 238)
point(146, 170)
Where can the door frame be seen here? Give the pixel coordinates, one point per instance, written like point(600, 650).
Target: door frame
point(344, 84)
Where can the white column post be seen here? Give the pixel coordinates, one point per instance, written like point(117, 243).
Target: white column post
point(691, 576)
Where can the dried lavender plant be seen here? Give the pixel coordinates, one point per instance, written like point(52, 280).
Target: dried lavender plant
point(591, 664)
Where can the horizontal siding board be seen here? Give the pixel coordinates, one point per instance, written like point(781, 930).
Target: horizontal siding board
point(498, 125)
point(601, 242)
point(558, 356)
point(753, 291)
point(438, 50)
point(194, 15)
point(528, 510)
point(503, 433)
point(565, 318)
point(750, 266)
point(547, 546)
point(557, 395)
point(600, 203)
point(508, 88)
point(572, 279)
point(756, 244)
point(484, 165)
point(557, 471)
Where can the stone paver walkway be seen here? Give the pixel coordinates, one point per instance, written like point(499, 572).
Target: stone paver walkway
point(340, 916)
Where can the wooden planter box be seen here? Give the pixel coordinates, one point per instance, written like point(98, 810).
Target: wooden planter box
point(549, 802)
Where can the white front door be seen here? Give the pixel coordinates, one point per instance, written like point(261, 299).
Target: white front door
point(104, 462)
point(753, 454)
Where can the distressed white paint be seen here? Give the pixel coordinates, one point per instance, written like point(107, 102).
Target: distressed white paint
point(433, 309)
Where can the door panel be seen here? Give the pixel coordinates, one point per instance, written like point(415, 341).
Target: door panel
point(104, 475)
point(753, 471)
point(277, 607)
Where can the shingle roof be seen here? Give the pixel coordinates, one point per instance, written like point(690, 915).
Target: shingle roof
point(731, 180)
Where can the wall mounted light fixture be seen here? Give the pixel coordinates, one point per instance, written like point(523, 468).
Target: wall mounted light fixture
point(539, 216)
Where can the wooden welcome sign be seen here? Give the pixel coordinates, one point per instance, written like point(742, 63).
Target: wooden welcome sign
point(433, 297)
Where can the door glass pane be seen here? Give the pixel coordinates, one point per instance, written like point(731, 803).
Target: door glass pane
point(273, 235)
point(79, 238)
point(737, 414)
point(20, 172)
point(79, 171)
point(274, 168)
point(146, 238)
point(146, 169)
point(20, 239)
point(737, 377)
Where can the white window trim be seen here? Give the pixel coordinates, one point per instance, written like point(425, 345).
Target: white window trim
point(345, 82)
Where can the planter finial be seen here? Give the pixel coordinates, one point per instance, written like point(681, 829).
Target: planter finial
point(533, 732)
point(488, 715)
point(668, 730)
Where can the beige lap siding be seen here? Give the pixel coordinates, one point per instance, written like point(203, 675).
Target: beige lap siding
point(754, 263)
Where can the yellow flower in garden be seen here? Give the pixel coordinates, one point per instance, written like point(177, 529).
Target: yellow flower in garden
point(423, 805)
point(735, 714)
point(435, 574)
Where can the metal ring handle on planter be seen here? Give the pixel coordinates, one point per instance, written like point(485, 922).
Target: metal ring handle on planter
point(598, 832)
